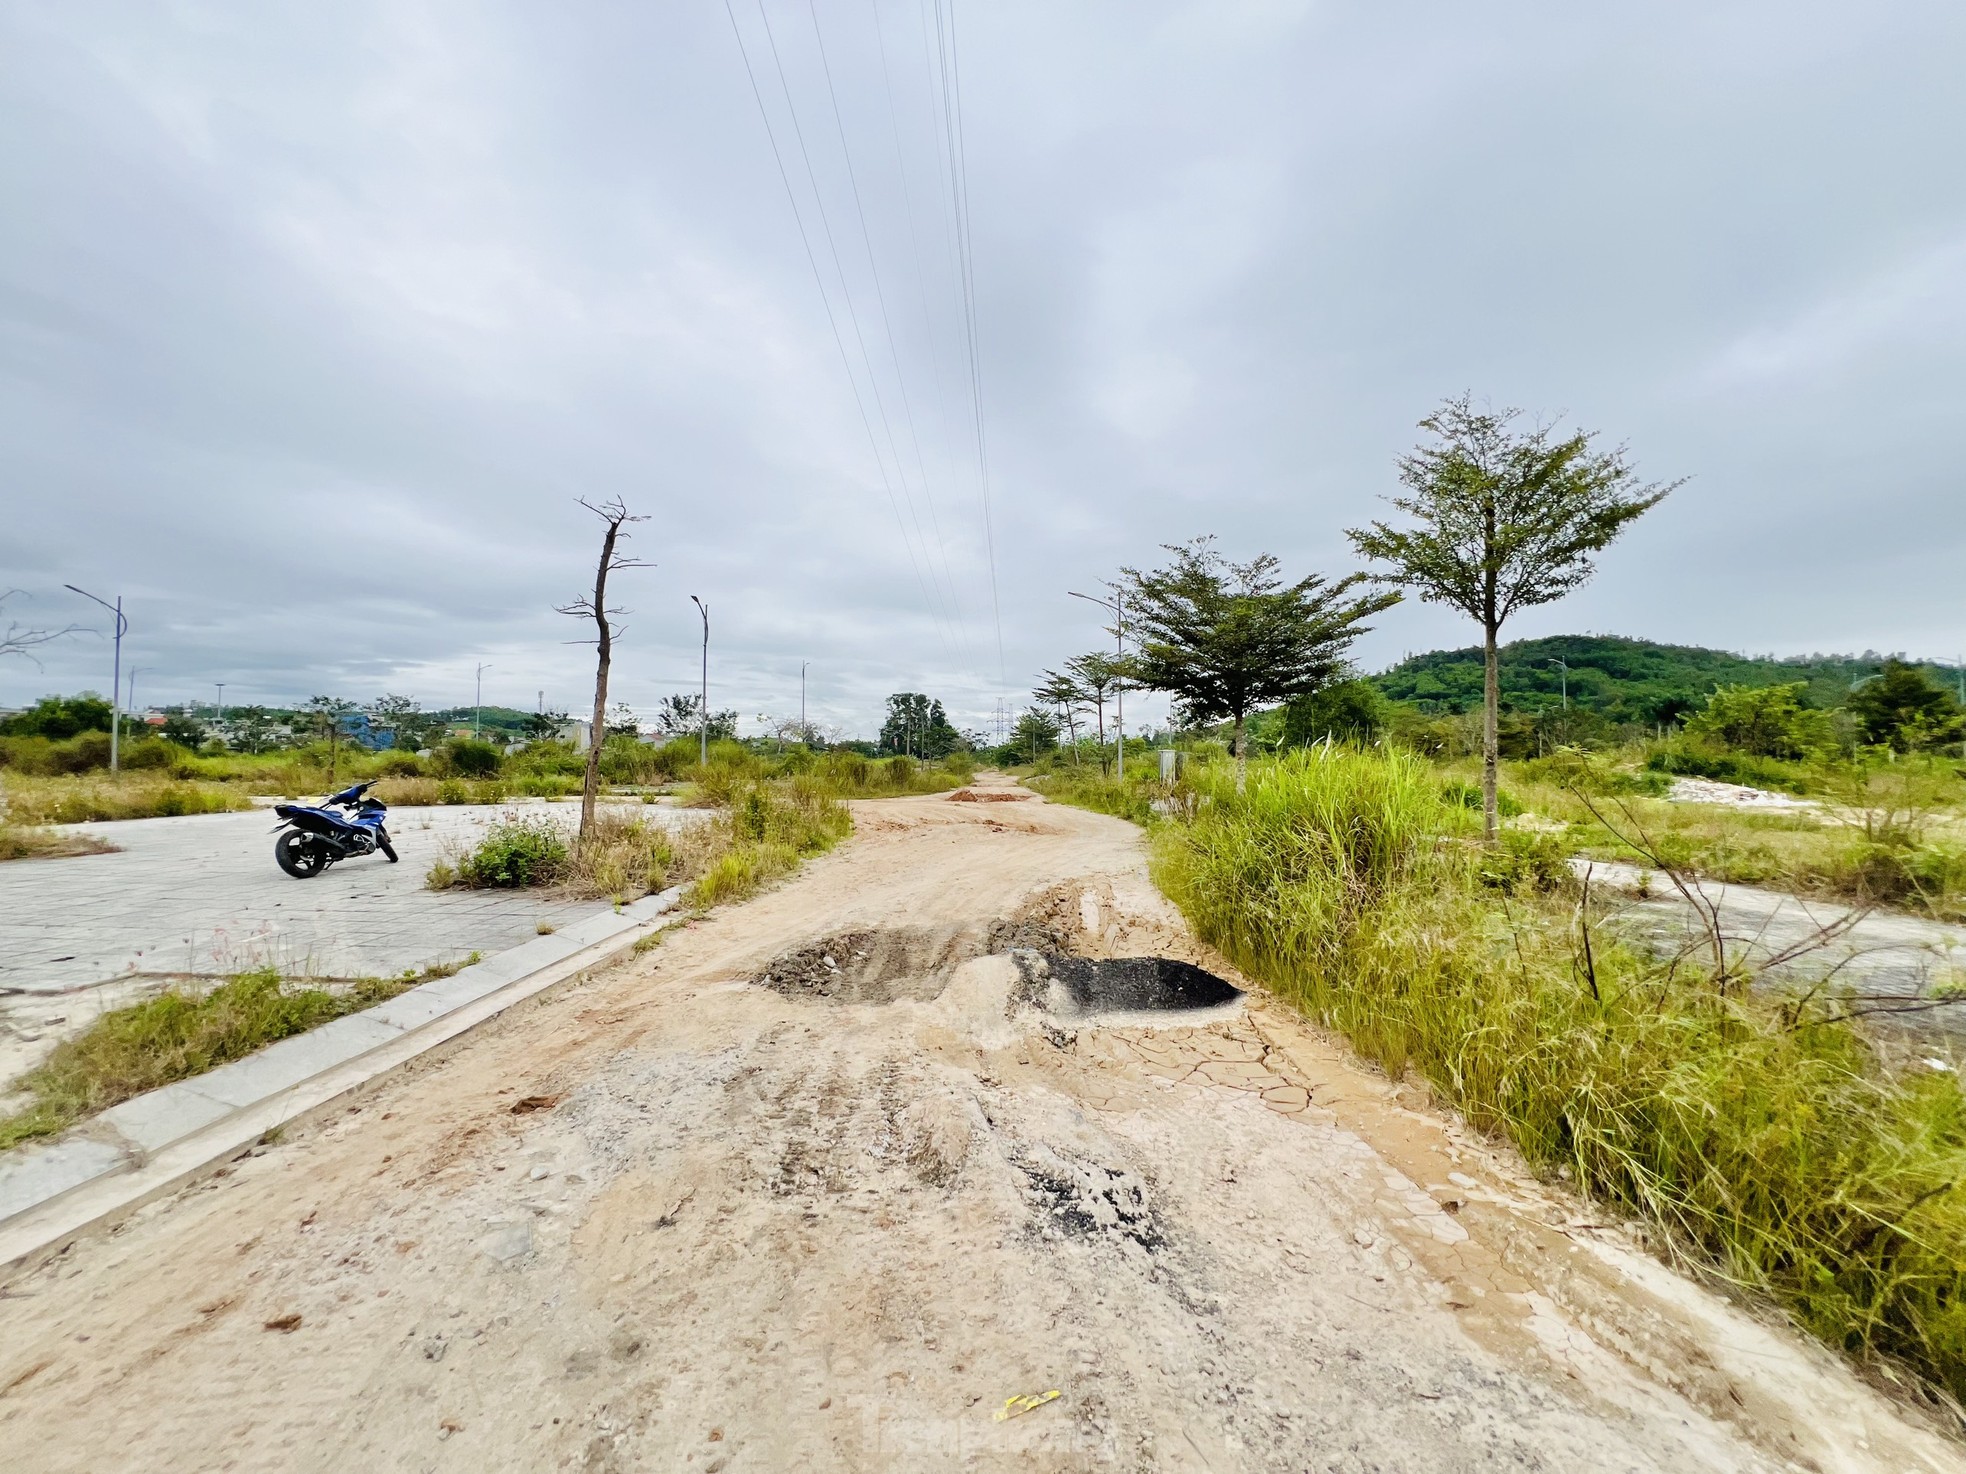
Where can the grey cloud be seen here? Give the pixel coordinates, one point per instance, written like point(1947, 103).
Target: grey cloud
point(313, 324)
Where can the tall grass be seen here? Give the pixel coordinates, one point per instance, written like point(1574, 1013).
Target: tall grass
point(1754, 1134)
point(97, 797)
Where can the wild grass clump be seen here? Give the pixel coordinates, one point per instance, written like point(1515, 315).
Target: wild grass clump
point(99, 797)
point(763, 834)
point(1085, 786)
point(1754, 1132)
point(174, 1036)
point(20, 842)
point(514, 854)
point(619, 857)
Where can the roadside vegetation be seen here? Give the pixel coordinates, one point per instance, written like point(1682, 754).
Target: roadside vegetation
point(1403, 873)
point(1758, 1135)
point(762, 830)
point(66, 780)
point(179, 1034)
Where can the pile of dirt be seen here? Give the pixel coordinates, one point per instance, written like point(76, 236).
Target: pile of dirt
point(972, 796)
point(1733, 795)
point(882, 966)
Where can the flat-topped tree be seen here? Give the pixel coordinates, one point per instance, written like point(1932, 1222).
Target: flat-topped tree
point(1103, 677)
point(1507, 519)
point(1068, 698)
point(1226, 639)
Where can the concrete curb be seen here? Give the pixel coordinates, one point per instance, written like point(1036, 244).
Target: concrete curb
point(150, 1145)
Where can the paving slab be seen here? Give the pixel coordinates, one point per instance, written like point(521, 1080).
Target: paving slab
point(200, 896)
point(157, 1118)
point(1882, 953)
point(112, 1161)
point(51, 1172)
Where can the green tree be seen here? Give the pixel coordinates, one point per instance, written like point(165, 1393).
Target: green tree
point(680, 715)
point(1506, 520)
point(918, 726)
point(60, 717)
point(408, 725)
point(1036, 732)
point(542, 726)
point(327, 713)
point(1103, 677)
point(1904, 709)
point(251, 728)
point(1769, 721)
point(1346, 711)
point(184, 729)
point(1069, 699)
point(1226, 638)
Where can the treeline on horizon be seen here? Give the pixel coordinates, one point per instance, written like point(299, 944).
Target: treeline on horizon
point(1628, 682)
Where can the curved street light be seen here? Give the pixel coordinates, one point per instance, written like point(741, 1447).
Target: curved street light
point(704, 609)
point(116, 678)
point(1117, 605)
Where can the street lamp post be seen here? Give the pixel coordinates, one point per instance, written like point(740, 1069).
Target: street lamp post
point(116, 676)
point(478, 707)
point(219, 720)
point(1118, 605)
point(803, 735)
point(1564, 678)
point(704, 609)
point(135, 671)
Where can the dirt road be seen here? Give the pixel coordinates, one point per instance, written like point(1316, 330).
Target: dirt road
point(682, 1218)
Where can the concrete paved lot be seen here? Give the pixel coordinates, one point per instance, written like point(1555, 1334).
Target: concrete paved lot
point(1882, 955)
point(202, 895)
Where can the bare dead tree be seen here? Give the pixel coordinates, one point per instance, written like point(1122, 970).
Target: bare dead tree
point(613, 512)
point(22, 639)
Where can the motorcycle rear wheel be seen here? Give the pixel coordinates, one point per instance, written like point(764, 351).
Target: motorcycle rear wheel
point(300, 855)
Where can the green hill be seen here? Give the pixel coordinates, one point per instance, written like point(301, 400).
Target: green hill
point(1623, 680)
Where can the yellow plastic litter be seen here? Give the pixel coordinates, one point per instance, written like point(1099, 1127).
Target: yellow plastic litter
point(1016, 1407)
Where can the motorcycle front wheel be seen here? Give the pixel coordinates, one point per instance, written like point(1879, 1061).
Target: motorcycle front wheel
point(389, 850)
point(300, 855)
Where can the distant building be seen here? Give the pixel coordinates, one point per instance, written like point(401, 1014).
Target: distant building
point(579, 733)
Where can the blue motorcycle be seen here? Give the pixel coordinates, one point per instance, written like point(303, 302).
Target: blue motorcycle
point(339, 828)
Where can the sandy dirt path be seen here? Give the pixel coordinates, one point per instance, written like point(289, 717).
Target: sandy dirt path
point(672, 1219)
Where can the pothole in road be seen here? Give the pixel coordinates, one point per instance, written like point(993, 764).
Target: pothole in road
point(916, 963)
point(1074, 987)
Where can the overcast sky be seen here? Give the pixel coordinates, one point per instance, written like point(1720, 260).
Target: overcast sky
point(315, 321)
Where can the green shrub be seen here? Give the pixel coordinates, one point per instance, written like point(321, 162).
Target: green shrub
point(1754, 1132)
point(516, 853)
point(399, 764)
point(1468, 796)
point(1689, 759)
point(471, 758)
point(1526, 862)
point(1763, 721)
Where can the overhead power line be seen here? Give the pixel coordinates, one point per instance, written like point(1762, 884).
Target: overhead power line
point(951, 74)
point(826, 299)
